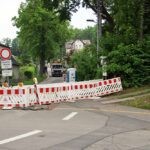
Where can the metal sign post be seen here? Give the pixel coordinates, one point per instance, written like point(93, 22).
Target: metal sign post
point(6, 63)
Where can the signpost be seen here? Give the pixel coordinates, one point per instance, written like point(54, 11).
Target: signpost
point(6, 63)
point(6, 73)
point(5, 53)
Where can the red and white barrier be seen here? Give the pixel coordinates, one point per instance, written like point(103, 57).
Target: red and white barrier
point(60, 92)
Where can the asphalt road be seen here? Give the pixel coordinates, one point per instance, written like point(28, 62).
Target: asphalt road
point(83, 125)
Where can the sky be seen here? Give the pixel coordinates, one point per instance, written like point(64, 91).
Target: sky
point(9, 9)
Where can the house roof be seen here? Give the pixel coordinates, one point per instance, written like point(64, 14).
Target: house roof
point(69, 44)
point(2, 45)
point(14, 61)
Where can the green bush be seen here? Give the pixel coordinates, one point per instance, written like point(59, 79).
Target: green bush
point(131, 63)
point(24, 69)
point(28, 74)
point(86, 61)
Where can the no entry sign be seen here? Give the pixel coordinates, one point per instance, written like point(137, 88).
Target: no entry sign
point(5, 53)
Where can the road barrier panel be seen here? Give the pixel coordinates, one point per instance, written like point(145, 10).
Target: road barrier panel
point(27, 96)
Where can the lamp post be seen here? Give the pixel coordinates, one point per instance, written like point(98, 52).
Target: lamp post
point(99, 26)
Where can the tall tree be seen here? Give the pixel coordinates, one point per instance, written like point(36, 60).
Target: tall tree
point(15, 47)
point(65, 8)
point(38, 30)
point(6, 41)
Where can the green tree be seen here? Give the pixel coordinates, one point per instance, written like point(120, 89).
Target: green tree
point(38, 31)
point(15, 47)
point(86, 62)
point(6, 41)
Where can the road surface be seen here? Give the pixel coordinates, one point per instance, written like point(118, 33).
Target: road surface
point(83, 125)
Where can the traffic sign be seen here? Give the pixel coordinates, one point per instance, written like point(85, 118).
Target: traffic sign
point(5, 53)
point(6, 64)
point(6, 73)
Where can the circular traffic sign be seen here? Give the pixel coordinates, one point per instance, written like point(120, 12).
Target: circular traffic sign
point(5, 53)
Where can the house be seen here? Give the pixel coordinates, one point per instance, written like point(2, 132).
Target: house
point(15, 64)
point(75, 46)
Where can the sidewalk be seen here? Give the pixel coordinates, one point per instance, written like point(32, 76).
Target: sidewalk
point(130, 96)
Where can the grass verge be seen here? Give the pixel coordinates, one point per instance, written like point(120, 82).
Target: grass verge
point(136, 94)
point(143, 102)
point(132, 90)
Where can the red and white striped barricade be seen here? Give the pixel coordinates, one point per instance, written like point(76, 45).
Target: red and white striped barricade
point(13, 97)
point(84, 90)
point(53, 93)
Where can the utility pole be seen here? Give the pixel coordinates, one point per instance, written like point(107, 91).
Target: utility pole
point(99, 26)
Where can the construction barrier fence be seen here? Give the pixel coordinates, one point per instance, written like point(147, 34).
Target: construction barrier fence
point(54, 93)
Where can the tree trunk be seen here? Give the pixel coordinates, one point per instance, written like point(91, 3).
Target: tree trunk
point(42, 64)
point(141, 22)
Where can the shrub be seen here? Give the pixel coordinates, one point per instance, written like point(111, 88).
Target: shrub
point(28, 74)
point(24, 69)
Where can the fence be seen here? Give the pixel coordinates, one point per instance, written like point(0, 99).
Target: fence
point(54, 93)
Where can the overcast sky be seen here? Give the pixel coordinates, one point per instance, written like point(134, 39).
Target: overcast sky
point(9, 9)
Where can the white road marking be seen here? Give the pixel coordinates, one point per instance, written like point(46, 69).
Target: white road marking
point(19, 137)
point(70, 116)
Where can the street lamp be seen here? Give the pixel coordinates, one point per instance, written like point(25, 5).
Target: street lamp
point(99, 33)
point(99, 26)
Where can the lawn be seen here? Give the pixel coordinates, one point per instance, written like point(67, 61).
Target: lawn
point(143, 102)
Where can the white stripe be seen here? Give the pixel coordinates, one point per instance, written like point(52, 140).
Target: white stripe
point(20, 137)
point(70, 116)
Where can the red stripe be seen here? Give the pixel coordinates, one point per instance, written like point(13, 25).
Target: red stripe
point(76, 87)
point(23, 91)
point(8, 92)
point(47, 102)
point(53, 89)
point(115, 80)
point(52, 101)
point(86, 86)
point(100, 83)
point(47, 90)
point(81, 86)
point(90, 85)
point(105, 82)
point(64, 88)
point(9, 105)
point(41, 90)
point(30, 91)
point(16, 92)
point(17, 105)
point(110, 81)
point(1, 105)
point(42, 102)
point(1, 92)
